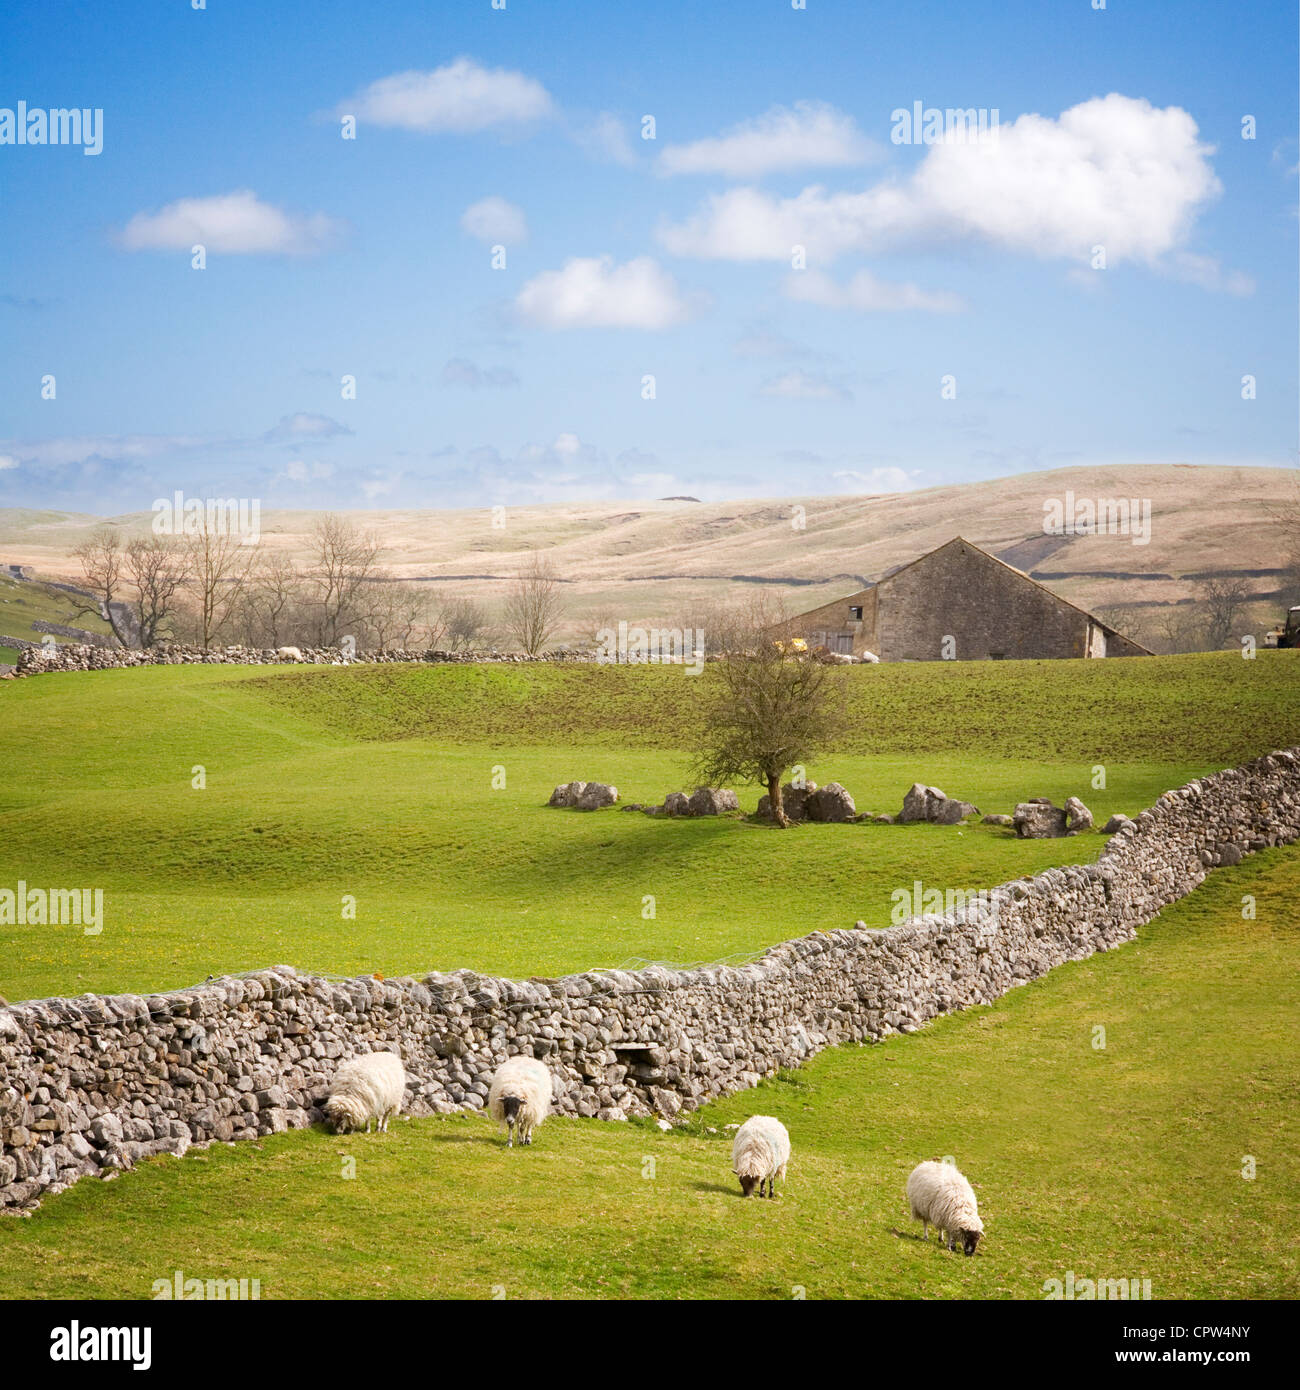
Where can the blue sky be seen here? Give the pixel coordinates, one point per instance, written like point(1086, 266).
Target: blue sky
point(627, 257)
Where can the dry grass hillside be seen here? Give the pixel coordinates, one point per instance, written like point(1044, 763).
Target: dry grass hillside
point(661, 561)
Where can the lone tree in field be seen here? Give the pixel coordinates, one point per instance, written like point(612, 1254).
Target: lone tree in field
point(774, 705)
point(534, 606)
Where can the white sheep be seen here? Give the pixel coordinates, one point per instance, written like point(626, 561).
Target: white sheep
point(364, 1089)
point(289, 653)
point(941, 1197)
point(520, 1097)
point(759, 1153)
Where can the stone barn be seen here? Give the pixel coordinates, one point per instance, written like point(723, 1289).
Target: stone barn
point(959, 602)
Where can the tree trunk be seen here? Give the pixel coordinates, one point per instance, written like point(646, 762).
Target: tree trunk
point(775, 804)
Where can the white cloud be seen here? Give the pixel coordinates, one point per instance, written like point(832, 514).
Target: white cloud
point(605, 138)
point(7, 461)
point(67, 451)
point(235, 224)
point(1112, 171)
point(812, 134)
point(493, 219)
point(594, 292)
point(798, 385)
point(304, 425)
point(868, 295)
point(300, 471)
point(460, 97)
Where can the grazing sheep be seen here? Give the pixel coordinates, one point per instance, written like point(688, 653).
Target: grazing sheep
point(520, 1097)
point(759, 1154)
point(364, 1089)
point(289, 653)
point(941, 1197)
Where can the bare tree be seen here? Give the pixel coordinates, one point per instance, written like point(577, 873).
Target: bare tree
point(395, 611)
point(343, 563)
point(1223, 601)
point(219, 562)
point(1124, 621)
point(271, 603)
point(534, 606)
point(773, 705)
point(1178, 628)
point(102, 560)
point(463, 623)
point(158, 569)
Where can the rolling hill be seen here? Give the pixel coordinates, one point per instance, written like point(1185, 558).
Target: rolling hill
point(661, 561)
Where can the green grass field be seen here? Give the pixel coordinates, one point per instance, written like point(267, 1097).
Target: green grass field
point(322, 784)
point(1120, 1163)
point(378, 783)
point(24, 601)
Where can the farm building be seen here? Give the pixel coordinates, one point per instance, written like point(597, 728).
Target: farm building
point(959, 602)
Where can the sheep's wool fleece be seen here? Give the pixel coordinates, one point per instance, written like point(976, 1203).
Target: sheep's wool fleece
point(375, 1082)
point(761, 1147)
point(526, 1078)
point(940, 1195)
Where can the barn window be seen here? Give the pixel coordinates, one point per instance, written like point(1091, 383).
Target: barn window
point(855, 613)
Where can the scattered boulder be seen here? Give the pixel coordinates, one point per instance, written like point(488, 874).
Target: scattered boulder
point(583, 796)
point(567, 794)
point(1039, 820)
point(1116, 822)
point(883, 819)
point(923, 803)
point(916, 803)
point(703, 801)
point(831, 803)
point(794, 801)
point(595, 796)
point(711, 801)
point(996, 819)
point(1077, 816)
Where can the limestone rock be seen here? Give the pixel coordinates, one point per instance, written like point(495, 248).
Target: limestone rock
point(1039, 820)
point(830, 803)
point(1077, 816)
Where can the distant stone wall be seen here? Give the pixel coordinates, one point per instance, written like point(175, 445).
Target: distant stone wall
point(78, 634)
point(35, 661)
point(91, 1085)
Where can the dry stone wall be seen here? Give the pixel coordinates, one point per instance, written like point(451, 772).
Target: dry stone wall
point(93, 1084)
point(36, 661)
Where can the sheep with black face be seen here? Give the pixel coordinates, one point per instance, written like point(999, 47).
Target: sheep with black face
point(941, 1197)
point(760, 1153)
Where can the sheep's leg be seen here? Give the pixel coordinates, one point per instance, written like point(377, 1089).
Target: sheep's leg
point(925, 1229)
point(510, 1134)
